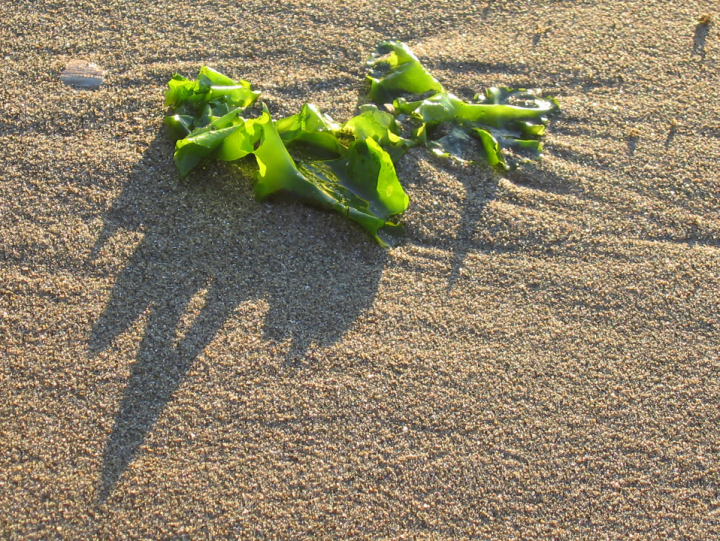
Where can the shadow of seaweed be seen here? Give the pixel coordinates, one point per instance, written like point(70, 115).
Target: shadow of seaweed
point(672, 132)
point(448, 200)
point(699, 38)
point(316, 272)
point(486, 9)
point(632, 142)
point(477, 196)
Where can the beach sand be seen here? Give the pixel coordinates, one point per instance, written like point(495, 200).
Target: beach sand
point(538, 360)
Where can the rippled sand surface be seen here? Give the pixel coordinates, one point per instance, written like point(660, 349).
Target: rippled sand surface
point(538, 360)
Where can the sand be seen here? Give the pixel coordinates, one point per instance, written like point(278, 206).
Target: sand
point(538, 360)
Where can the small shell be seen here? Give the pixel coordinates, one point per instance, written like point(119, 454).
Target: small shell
point(82, 74)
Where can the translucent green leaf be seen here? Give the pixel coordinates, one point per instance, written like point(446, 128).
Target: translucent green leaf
point(215, 77)
point(202, 142)
point(393, 70)
point(179, 91)
point(242, 141)
point(361, 185)
point(313, 129)
point(276, 168)
point(380, 126)
point(179, 126)
point(212, 95)
point(445, 107)
point(496, 125)
point(370, 174)
point(189, 152)
point(492, 148)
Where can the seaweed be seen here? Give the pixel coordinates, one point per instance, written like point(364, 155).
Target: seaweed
point(350, 167)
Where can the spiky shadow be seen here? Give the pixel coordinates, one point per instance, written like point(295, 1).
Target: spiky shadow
point(447, 217)
point(316, 273)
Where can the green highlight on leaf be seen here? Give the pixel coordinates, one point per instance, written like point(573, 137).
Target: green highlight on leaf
point(350, 167)
point(380, 126)
point(312, 128)
point(361, 185)
point(495, 124)
point(393, 71)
